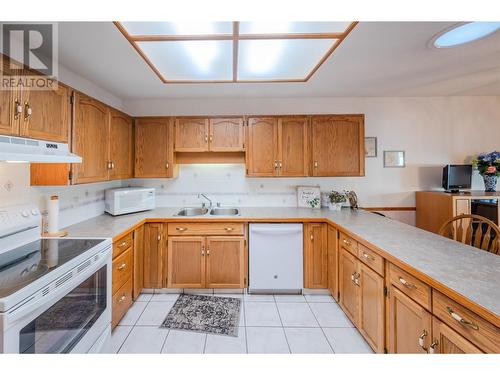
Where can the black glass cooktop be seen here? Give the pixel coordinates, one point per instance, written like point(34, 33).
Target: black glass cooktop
point(23, 265)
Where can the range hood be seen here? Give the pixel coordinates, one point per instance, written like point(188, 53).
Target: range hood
point(37, 151)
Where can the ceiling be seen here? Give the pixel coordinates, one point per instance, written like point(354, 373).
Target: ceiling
point(376, 59)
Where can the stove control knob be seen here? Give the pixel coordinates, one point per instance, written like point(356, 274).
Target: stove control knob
point(34, 212)
point(25, 214)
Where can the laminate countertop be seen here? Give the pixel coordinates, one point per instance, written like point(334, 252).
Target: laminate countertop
point(467, 271)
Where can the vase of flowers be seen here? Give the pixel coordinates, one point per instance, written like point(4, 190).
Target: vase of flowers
point(488, 165)
point(336, 200)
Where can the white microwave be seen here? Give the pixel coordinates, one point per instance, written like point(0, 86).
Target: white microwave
point(127, 200)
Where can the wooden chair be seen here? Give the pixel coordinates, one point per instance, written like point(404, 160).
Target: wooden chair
point(473, 230)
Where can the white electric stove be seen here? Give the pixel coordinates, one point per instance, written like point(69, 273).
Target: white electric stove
point(55, 294)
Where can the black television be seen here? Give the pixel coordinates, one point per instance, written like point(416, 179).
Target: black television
point(456, 177)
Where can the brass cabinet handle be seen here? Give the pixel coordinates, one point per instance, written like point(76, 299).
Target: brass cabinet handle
point(461, 320)
point(180, 229)
point(280, 164)
point(421, 339)
point(407, 284)
point(112, 165)
point(122, 267)
point(276, 164)
point(206, 138)
point(211, 137)
point(208, 251)
point(18, 109)
point(433, 346)
point(312, 237)
point(124, 243)
point(202, 251)
point(365, 255)
point(28, 111)
point(355, 278)
point(315, 164)
point(167, 165)
point(159, 238)
point(122, 299)
point(229, 229)
point(348, 243)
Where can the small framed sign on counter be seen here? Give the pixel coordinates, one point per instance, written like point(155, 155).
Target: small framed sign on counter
point(308, 196)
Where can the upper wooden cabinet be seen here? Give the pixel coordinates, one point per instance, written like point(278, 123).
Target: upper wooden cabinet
point(337, 145)
point(91, 140)
point(10, 105)
point(316, 255)
point(191, 134)
point(121, 146)
point(262, 149)
point(154, 156)
point(226, 134)
point(293, 157)
point(47, 114)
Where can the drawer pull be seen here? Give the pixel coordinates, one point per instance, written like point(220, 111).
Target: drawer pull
point(229, 229)
point(421, 339)
point(348, 243)
point(122, 299)
point(407, 284)
point(124, 243)
point(366, 256)
point(122, 267)
point(461, 320)
point(180, 229)
point(433, 346)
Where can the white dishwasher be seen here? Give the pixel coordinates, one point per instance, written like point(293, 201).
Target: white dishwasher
point(276, 258)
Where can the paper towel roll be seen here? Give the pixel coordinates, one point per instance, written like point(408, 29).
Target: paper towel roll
point(53, 214)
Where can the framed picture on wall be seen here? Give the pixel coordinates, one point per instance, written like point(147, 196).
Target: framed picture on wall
point(394, 159)
point(308, 196)
point(371, 147)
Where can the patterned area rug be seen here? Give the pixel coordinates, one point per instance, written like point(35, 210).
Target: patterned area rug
point(207, 314)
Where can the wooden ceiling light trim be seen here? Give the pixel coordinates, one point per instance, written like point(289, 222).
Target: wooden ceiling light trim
point(236, 37)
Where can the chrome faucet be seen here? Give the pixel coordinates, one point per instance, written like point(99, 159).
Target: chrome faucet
point(207, 198)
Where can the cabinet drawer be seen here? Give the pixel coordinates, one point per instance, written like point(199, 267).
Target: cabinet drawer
point(206, 229)
point(371, 259)
point(411, 286)
point(349, 244)
point(122, 269)
point(471, 326)
point(122, 244)
point(121, 300)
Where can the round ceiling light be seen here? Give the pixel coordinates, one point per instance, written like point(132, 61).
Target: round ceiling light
point(465, 33)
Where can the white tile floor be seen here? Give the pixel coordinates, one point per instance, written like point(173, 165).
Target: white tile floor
point(268, 324)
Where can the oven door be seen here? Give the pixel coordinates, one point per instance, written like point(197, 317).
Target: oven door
point(71, 320)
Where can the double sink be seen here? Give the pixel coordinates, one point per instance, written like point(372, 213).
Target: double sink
point(216, 211)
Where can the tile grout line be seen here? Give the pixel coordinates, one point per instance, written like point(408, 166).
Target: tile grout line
point(245, 326)
point(319, 325)
point(126, 337)
point(164, 342)
point(282, 326)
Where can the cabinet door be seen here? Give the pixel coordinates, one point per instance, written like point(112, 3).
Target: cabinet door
point(337, 146)
point(9, 120)
point(407, 322)
point(333, 263)
point(447, 341)
point(226, 134)
point(154, 244)
point(316, 255)
point(225, 265)
point(261, 153)
point(50, 114)
point(154, 155)
point(138, 275)
point(121, 147)
point(90, 140)
point(293, 158)
point(348, 289)
point(191, 134)
point(186, 262)
point(371, 307)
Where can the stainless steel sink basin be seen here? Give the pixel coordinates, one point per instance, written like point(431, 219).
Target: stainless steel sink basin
point(192, 211)
point(225, 211)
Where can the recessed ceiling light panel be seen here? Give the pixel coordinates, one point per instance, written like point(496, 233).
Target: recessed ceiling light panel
point(276, 27)
point(178, 28)
point(465, 33)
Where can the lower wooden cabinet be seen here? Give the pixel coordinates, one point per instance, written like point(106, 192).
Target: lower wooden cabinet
point(447, 341)
point(122, 277)
point(206, 262)
point(409, 324)
point(316, 255)
point(154, 250)
point(348, 289)
point(121, 302)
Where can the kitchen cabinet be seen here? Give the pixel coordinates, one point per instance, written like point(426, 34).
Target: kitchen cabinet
point(348, 289)
point(121, 146)
point(138, 277)
point(277, 146)
point(337, 145)
point(122, 277)
point(409, 324)
point(154, 253)
point(333, 262)
point(90, 140)
point(10, 106)
point(191, 134)
point(206, 255)
point(226, 135)
point(447, 341)
point(154, 153)
point(316, 255)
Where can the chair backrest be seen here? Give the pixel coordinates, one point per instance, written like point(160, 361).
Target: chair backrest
point(473, 230)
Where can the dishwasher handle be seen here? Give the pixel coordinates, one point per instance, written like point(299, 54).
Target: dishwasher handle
point(276, 231)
